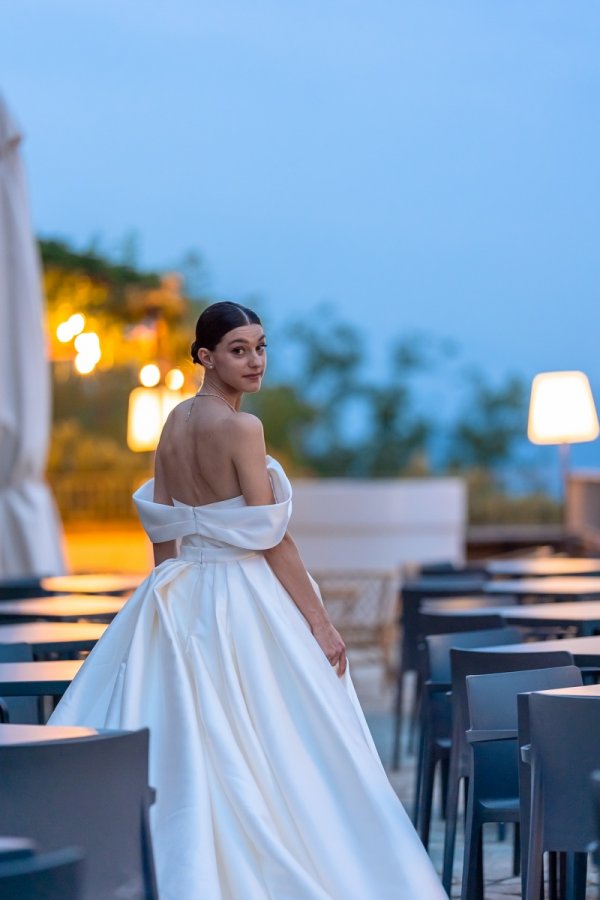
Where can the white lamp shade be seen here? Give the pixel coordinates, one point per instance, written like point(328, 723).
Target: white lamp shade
point(148, 411)
point(561, 409)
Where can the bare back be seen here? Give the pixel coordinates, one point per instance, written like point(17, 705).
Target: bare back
point(195, 456)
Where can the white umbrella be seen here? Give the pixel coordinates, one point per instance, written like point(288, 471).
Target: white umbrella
point(30, 531)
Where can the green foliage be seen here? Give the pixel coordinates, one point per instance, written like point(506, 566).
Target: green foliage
point(58, 254)
point(492, 420)
point(490, 504)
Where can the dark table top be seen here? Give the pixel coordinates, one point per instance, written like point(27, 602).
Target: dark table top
point(62, 607)
point(34, 734)
point(545, 566)
point(91, 584)
point(583, 690)
point(45, 637)
point(557, 586)
point(581, 614)
point(29, 679)
point(585, 650)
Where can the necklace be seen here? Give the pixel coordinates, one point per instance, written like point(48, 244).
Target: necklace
point(218, 396)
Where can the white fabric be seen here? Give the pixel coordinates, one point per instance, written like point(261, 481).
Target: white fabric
point(30, 533)
point(268, 784)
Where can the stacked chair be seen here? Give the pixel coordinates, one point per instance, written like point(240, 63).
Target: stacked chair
point(563, 751)
point(436, 711)
point(477, 662)
point(442, 584)
point(492, 740)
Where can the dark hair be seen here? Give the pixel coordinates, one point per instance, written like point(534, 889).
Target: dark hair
point(216, 320)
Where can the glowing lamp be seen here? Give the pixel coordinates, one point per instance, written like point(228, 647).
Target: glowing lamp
point(562, 411)
point(174, 379)
point(150, 375)
point(148, 411)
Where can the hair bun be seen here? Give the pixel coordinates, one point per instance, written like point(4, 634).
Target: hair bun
point(194, 351)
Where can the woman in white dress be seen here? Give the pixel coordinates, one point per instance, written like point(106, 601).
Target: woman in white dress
point(268, 783)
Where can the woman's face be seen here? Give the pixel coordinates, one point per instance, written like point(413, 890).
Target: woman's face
point(239, 359)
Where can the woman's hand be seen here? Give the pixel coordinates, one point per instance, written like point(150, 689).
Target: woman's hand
point(332, 645)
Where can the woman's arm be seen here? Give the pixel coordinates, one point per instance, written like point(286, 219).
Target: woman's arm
point(284, 559)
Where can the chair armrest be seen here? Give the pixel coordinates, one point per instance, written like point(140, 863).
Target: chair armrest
point(526, 754)
point(481, 736)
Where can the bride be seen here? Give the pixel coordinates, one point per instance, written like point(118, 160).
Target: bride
point(268, 783)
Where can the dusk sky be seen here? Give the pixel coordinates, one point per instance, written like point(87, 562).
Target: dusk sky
point(425, 166)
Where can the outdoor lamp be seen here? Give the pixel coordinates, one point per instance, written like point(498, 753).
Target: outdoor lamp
point(148, 411)
point(562, 411)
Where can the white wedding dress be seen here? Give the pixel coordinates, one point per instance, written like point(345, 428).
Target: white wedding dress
point(268, 783)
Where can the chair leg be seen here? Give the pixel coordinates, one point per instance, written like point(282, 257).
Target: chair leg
point(552, 875)
point(415, 713)
point(472, 875)
point(398, 720)
point(445, 770)
point(576, 876)
point(426, 798)
point(535, 867)
point(450, 830)
point(419, 779)
point(516, 870)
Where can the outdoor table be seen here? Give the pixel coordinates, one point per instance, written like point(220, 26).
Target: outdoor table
point(584, 650)
point(572, 586)
point(528, 567)
point(38, 679)
point(53, 637)
point(584, 615)
point(583, 690)
point(34, 734)
point(62, 607)
point(91, 584)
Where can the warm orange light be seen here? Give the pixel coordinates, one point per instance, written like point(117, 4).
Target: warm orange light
point(148, 411)
point(561, 410)
point(174, 379)
point(149, 375)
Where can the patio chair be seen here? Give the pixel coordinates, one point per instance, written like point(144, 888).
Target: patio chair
point(595, 780)
point(477, 662)
point(18, 710)
point(412, 593)
point(436, 714)
point(493, 794)
point(563, 753)
point(47, 876)
point(12, 848)
point(90, 792)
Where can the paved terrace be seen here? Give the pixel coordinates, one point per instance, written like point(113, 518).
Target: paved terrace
point(377, 701)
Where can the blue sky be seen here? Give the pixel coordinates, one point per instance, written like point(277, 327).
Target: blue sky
point(423, 165)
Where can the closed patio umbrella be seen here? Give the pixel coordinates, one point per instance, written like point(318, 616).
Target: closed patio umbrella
point(30, 531)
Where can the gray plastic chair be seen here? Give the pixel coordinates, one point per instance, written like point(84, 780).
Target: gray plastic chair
point(48, 876)
point(90, 792)
point(563, 753)
point(436, 713)
point(494, 765)
point(477, 662)
point(449, 584)
point(18, 710)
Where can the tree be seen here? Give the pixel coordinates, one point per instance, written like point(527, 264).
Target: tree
point(492, 420)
